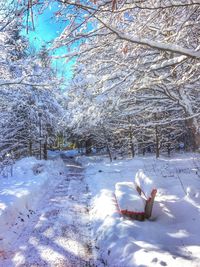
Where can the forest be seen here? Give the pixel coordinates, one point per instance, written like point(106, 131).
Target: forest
point(135, 85)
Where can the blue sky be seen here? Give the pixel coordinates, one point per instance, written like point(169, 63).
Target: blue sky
point(47, 28)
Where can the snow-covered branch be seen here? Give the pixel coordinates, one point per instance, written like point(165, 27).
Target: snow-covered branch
point(153, 44)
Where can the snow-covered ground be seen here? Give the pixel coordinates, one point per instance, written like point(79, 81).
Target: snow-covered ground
point(171, 237)
point(21, 193)
point(44, 216)
point(53, 215)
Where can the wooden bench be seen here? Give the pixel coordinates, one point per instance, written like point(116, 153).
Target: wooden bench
point(135, 199)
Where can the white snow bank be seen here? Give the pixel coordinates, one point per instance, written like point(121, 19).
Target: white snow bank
point(128, 197)
point(171, 236)
point(19, 195)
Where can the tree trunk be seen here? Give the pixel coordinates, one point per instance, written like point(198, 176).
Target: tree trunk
point(30, 149)
point(109, 152)
point(157, 143)
point(194, 133)
point(45, 150)
point(132, 148)
point(88, 146)
point(168, 150)
point(107, 144)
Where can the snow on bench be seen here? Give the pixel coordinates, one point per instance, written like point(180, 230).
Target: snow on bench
point(136, 199)
point(129, 201)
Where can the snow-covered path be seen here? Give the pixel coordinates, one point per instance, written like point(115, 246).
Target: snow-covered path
point(59, 233)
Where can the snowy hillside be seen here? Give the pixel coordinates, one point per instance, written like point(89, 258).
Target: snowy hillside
point(171, 236)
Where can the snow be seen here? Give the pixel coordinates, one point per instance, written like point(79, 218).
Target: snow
point(58, 234)
point(145, 183)
point(171, 236)
point(60, 229)
point(71, 153)
point(168, 62)
point(156, 44)
point(128, 197)
point(20, 194)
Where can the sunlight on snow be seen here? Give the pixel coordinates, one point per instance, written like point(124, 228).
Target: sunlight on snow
point(18, 259)
point(160, 257)
point(72, 246)
point(49, 232)
point(168, 198)
point(2, 206)
point(103, 204)
point(75, 166)
point(193, 249)
point(179, 234)
point(146, 245)
point(48, 254)
point(18, 192)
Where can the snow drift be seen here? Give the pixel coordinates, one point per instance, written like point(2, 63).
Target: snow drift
point(20, 194)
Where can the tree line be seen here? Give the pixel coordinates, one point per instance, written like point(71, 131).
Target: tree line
point(30, 97)
point(136, 81)
point(136, 78)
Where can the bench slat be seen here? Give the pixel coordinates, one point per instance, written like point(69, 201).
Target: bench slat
point(145, 184)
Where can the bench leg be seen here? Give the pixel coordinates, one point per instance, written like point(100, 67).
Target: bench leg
point(149, 204)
